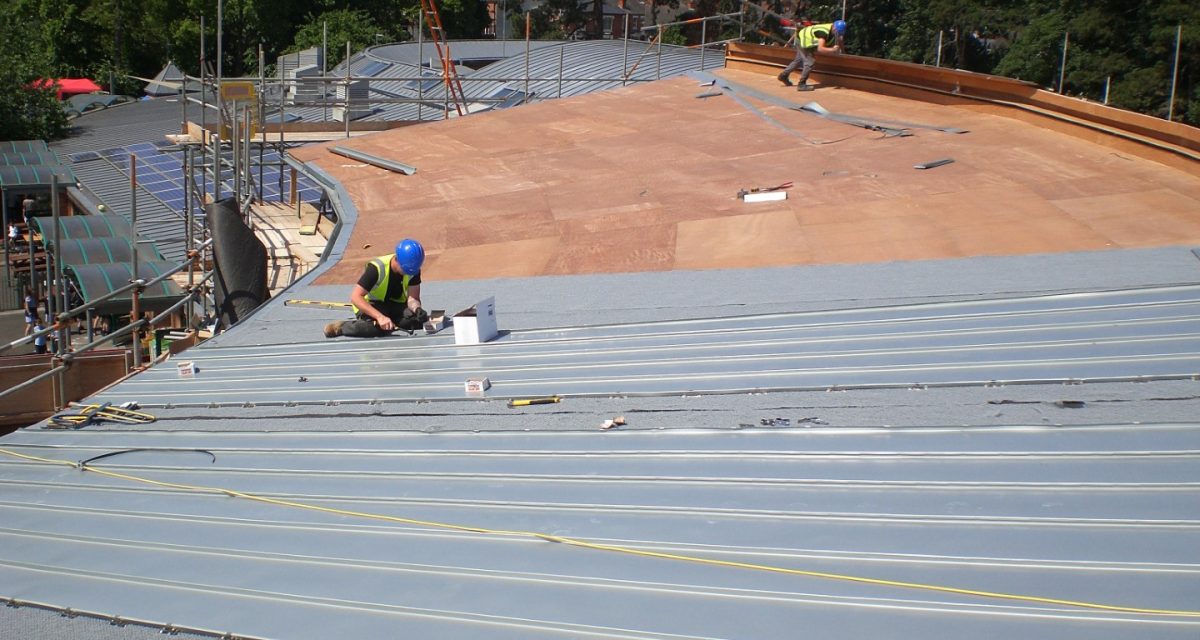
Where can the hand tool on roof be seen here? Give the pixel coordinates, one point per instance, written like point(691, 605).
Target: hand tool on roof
point(933, 163)
point(524, 402)
point(742, 192)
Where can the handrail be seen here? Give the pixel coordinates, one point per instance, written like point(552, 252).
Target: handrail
point(67, 358)
point(34, 380)
point(166, 313)
point(719, 16)
point(138, 284)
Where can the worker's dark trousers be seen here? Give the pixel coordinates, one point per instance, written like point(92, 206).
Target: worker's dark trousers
point(363, 326)
point(806, 57)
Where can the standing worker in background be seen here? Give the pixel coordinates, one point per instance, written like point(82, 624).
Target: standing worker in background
point(31, 310)
point(826, 38)
point(27, 207)
point(39, 342)
point(387, 296)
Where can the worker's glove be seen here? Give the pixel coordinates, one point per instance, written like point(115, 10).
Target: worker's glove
point(412, 321)
point(420, 315)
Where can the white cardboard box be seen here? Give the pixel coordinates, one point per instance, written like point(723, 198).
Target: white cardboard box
point(187, 369)
point(476, 324)
point(436, 321)
point(477, 386)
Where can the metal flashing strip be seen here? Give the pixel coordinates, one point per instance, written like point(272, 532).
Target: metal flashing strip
point(874, 123)
point(1148, 334)
point(373, 160)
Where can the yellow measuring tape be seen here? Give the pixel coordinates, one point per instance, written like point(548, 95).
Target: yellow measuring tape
point(615, 548)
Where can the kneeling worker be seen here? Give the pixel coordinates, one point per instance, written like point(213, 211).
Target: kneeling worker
point(387, 296)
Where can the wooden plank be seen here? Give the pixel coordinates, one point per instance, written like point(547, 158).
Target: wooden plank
point(309, 219)
point(765, 59)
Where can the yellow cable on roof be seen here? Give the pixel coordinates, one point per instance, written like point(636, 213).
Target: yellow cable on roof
point(619, 549)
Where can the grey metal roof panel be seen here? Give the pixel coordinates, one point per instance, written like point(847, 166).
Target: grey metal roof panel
point(1116, 335)
point(868, 503)
point(122, 125)
point(600, 59)
point(147, 121)
point(586, 66)
point(414, 53)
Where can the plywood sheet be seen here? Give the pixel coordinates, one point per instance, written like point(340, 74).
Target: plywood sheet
point(646, 177)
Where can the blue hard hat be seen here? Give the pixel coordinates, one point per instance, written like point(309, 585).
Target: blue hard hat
point(410, 255)
point(839, 27)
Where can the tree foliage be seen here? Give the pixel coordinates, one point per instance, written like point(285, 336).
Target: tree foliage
point(1118, 49)
point(27, 111)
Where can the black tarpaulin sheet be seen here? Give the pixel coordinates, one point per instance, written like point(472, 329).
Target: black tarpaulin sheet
point(240, 263)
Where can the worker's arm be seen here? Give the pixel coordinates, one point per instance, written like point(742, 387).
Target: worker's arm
point(414, 299)
point(824, 47)
point(359, 297)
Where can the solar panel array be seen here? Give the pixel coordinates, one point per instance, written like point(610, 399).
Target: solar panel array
point(160, 172)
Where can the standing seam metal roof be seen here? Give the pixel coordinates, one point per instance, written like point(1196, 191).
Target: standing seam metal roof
point(1117, 335)
point(1088, 514)
point(595, 65)
point(141, 122)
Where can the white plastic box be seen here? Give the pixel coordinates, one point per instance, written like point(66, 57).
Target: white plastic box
point(476, 324)
point(477, 386)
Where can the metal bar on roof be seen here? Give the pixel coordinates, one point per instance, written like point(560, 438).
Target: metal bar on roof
point(177, 268)
point(59, 295)
point(27, 339)
point(382, 163)
point(4, 216)
point(134, 310)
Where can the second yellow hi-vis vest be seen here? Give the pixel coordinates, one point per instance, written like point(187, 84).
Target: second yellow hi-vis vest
point(383, 267)
point(807, 37)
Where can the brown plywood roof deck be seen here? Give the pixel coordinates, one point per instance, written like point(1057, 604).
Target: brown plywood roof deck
point(645, 178)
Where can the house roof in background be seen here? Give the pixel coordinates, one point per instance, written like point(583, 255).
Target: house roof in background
point(584, 67)
point(166, 82)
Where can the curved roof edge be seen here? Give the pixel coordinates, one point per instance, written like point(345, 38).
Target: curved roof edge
point(910, 80)
point(414, 52)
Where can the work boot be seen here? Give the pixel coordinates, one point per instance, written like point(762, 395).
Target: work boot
point(362, 328)
point(804, 87)
point(333, 329)
point(787, 82)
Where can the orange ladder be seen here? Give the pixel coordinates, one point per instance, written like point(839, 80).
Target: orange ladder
point(433, 20)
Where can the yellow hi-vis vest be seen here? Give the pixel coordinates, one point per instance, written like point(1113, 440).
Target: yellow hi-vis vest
point(383, 267)
point(807, 37)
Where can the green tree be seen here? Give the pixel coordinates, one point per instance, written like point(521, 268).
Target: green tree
point(552, 20)
point(344, 25)
point(27, 112)
point(1036, 51)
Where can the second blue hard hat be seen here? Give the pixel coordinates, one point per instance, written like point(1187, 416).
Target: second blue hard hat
point(410, 255)
point(839, 27)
